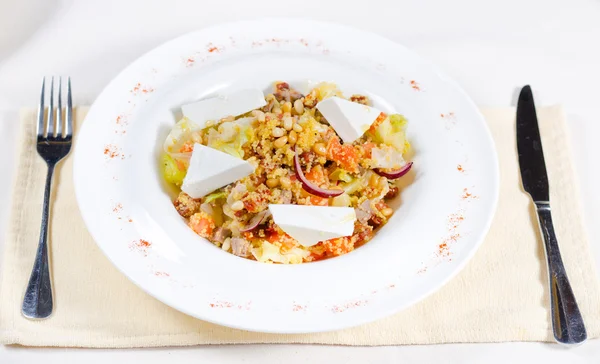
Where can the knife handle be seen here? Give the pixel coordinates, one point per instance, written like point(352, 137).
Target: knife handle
point(567, 322)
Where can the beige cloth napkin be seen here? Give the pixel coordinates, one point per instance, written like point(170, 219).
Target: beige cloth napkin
point(500, 296)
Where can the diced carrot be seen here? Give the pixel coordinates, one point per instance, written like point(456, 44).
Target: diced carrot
point(318, 201)
point(318, 253)
point(349, 158)
point(275, 235)
point(339, 246)
point(333, 147)
point(344, 155)
point(202, 224)
point(316, 175)
point(272, 234)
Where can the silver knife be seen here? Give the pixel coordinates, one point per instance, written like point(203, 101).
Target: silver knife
point(567, 322)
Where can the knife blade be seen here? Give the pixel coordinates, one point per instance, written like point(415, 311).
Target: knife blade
point(567, 322)
point(529, 146)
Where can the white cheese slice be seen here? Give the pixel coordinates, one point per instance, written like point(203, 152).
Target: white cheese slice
point(211, 169)
point(216, 108)
point(387, 157)
point(349, 119)
point(312, 224)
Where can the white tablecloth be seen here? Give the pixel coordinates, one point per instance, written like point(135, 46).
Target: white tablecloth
point(491, 49)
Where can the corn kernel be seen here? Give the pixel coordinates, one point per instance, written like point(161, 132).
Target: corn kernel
point(279, 143)
point(320, 149)
point(277, 132)
point(237, 206)
point(272, 182)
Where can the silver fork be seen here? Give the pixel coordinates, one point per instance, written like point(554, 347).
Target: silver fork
point(53, 144)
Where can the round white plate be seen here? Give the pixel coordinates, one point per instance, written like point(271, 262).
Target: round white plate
point(442, 215)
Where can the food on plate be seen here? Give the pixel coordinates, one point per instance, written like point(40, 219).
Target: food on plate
point(216, 108)
point(311, 224)
point(349, 119)
point(210, 169)
point(286, 178)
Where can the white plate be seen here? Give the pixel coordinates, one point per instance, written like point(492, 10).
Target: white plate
point(449, 199)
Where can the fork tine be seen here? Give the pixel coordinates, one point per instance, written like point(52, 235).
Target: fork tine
point(59, 119)
point(69, 111)
point(40, 123)
point(51, 110)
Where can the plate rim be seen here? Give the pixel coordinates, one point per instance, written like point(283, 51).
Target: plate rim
point(494, 188)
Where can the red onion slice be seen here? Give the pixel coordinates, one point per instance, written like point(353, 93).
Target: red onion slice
point(394, 174)
point(307, 185)
point(258, 219)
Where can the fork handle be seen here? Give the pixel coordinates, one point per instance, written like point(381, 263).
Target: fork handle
point(37, 303)
point(567, 322)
